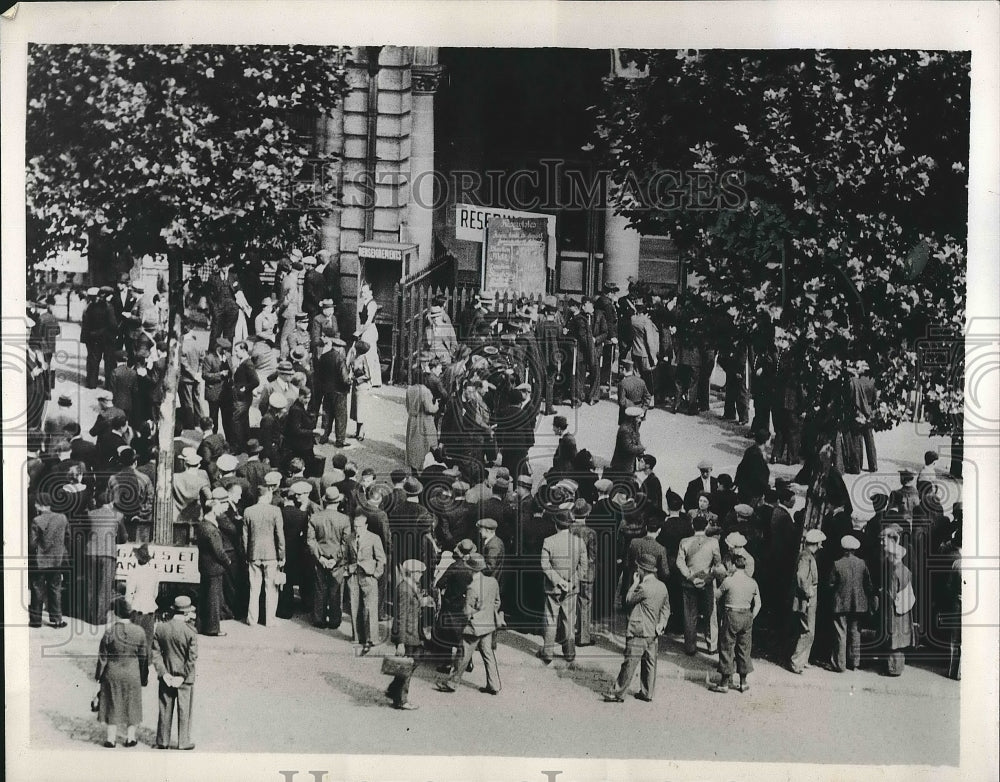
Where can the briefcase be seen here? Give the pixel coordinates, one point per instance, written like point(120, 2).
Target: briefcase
point(398, 666)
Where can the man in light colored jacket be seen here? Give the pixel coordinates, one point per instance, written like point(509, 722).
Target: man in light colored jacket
point(565, 565)
point(264, 543)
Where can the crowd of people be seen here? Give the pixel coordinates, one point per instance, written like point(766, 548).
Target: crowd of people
point(466, 536)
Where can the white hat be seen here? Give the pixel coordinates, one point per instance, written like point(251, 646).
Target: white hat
point(227, 462)
point(93, 291)
point(849, 543)
point(815, 536)
point(735, 540)
point(413, 566)
point(191, 457)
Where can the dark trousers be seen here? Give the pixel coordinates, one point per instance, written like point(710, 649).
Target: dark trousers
point(786, 436)
point(94, 355)
point(328, 599)
point(705, 378)
point(550, 384)
point(737, 403)
point(46, 591)
point(699, 608)
point(399, 687)
point(591, 376)
point(335, 410)
point(100, 580)
point(638, 650)
point(607, 359)
point(240, 427)
point(761, 413)
point(663, 380)
point(515, 460)
point(214, 408)
point(686, 387)
point(223, 325)
point(183, 698)
point(736, 642)
point(187, 417)
point(868, 435)
point(235, 589)
point(649, 378)
point(209, 604)
point(584, 610)
point(847, 641)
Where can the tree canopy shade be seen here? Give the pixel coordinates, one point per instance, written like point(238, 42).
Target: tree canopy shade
point(197, 147)
point(840, 204)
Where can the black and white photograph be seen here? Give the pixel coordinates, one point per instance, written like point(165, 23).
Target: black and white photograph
point(557, 403)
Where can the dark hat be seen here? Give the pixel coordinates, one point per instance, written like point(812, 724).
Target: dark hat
point(326, 304)
point(254, 446)
point(581, 509)
point(412, 487)
point(476, 563)
point(646, 561)
point(610, 287)
point(142, 554)
point(501, 485)
point(65, 401)
point(301, 316)
point(465, 547)
point(487, 523)
point(563, 517)
point(299, 353)
point(906, 475)
point(285, 367)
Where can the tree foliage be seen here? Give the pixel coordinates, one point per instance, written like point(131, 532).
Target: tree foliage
point(198, 147)
point(849, 227)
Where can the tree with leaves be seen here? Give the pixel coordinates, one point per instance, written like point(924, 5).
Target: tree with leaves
point(199, 149)
point(839, 211)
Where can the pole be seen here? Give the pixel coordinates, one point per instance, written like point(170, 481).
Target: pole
point(163, 511)
point(371, 140)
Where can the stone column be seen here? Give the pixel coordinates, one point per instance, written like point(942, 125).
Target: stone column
point(621, 250)
point(426, 77)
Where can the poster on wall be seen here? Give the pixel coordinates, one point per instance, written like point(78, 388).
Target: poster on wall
point(515, 257)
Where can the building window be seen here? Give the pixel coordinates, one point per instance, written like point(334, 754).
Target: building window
point(659, 263)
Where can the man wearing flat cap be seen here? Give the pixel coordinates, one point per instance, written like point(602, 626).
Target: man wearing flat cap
point(649, 611)
point(323, 325)
point(552, 355)
point(803, 619)
point(605, 304)
point(564, 565)
point(482, 609)
point(705, 482)
point(407, 635)
point(853, 596)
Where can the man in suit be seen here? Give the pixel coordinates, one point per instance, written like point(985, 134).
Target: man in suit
point(705, 482)
point(852, 596)
point(131, 493)
point(264, 543)
point(733, 361)
point(628, 446)
point(590, 343)
point(245, 381)
point(225, 297)
point(869, 398)
point(482, 608)
point(122, 384)
point(548, 332)
point(290, 301)
point(174, 652)
point(190, 377)
point(47, 557)
point(314, 289)
point(645, 345)
point(326, 538)
point(649, 610)
point(99, 332)
point(409, 602)
point(585, 596)
point(566, 450)
point(564, 565)
point(333, 387)
point(632, 390)
point(676, 526)
point(366, 561)
point(298, 337)
point(649, 483)
point(216, 372)
point(606, 305)
point(323, 325)
point(299, 425)
point(108, 445)
point(493, 550)
point(697, 557)
point(124, 301)
point(213, 564)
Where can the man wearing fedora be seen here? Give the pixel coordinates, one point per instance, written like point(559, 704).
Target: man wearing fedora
point(564, 564)
point(264, 543)
point(482, 609)
point(649, 611)
point(99, 332)
point(314, 289)
point(323, 325)
point(332, 390)
point(216, 373)
point(174, 652)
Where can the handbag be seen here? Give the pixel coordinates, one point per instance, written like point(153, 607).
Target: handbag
point(904, 600)
point(95, 702)
point(398, 666)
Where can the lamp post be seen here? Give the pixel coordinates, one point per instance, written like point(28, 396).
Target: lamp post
point(372, 54)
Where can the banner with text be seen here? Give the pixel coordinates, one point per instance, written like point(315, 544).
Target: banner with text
point(173, 563)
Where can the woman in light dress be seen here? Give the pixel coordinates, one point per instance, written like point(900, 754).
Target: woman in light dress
point(357, 365)
point(368, 332)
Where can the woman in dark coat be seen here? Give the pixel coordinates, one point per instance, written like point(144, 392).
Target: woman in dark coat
point(122, 670)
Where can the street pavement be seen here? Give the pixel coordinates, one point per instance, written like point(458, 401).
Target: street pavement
point(294, 688)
